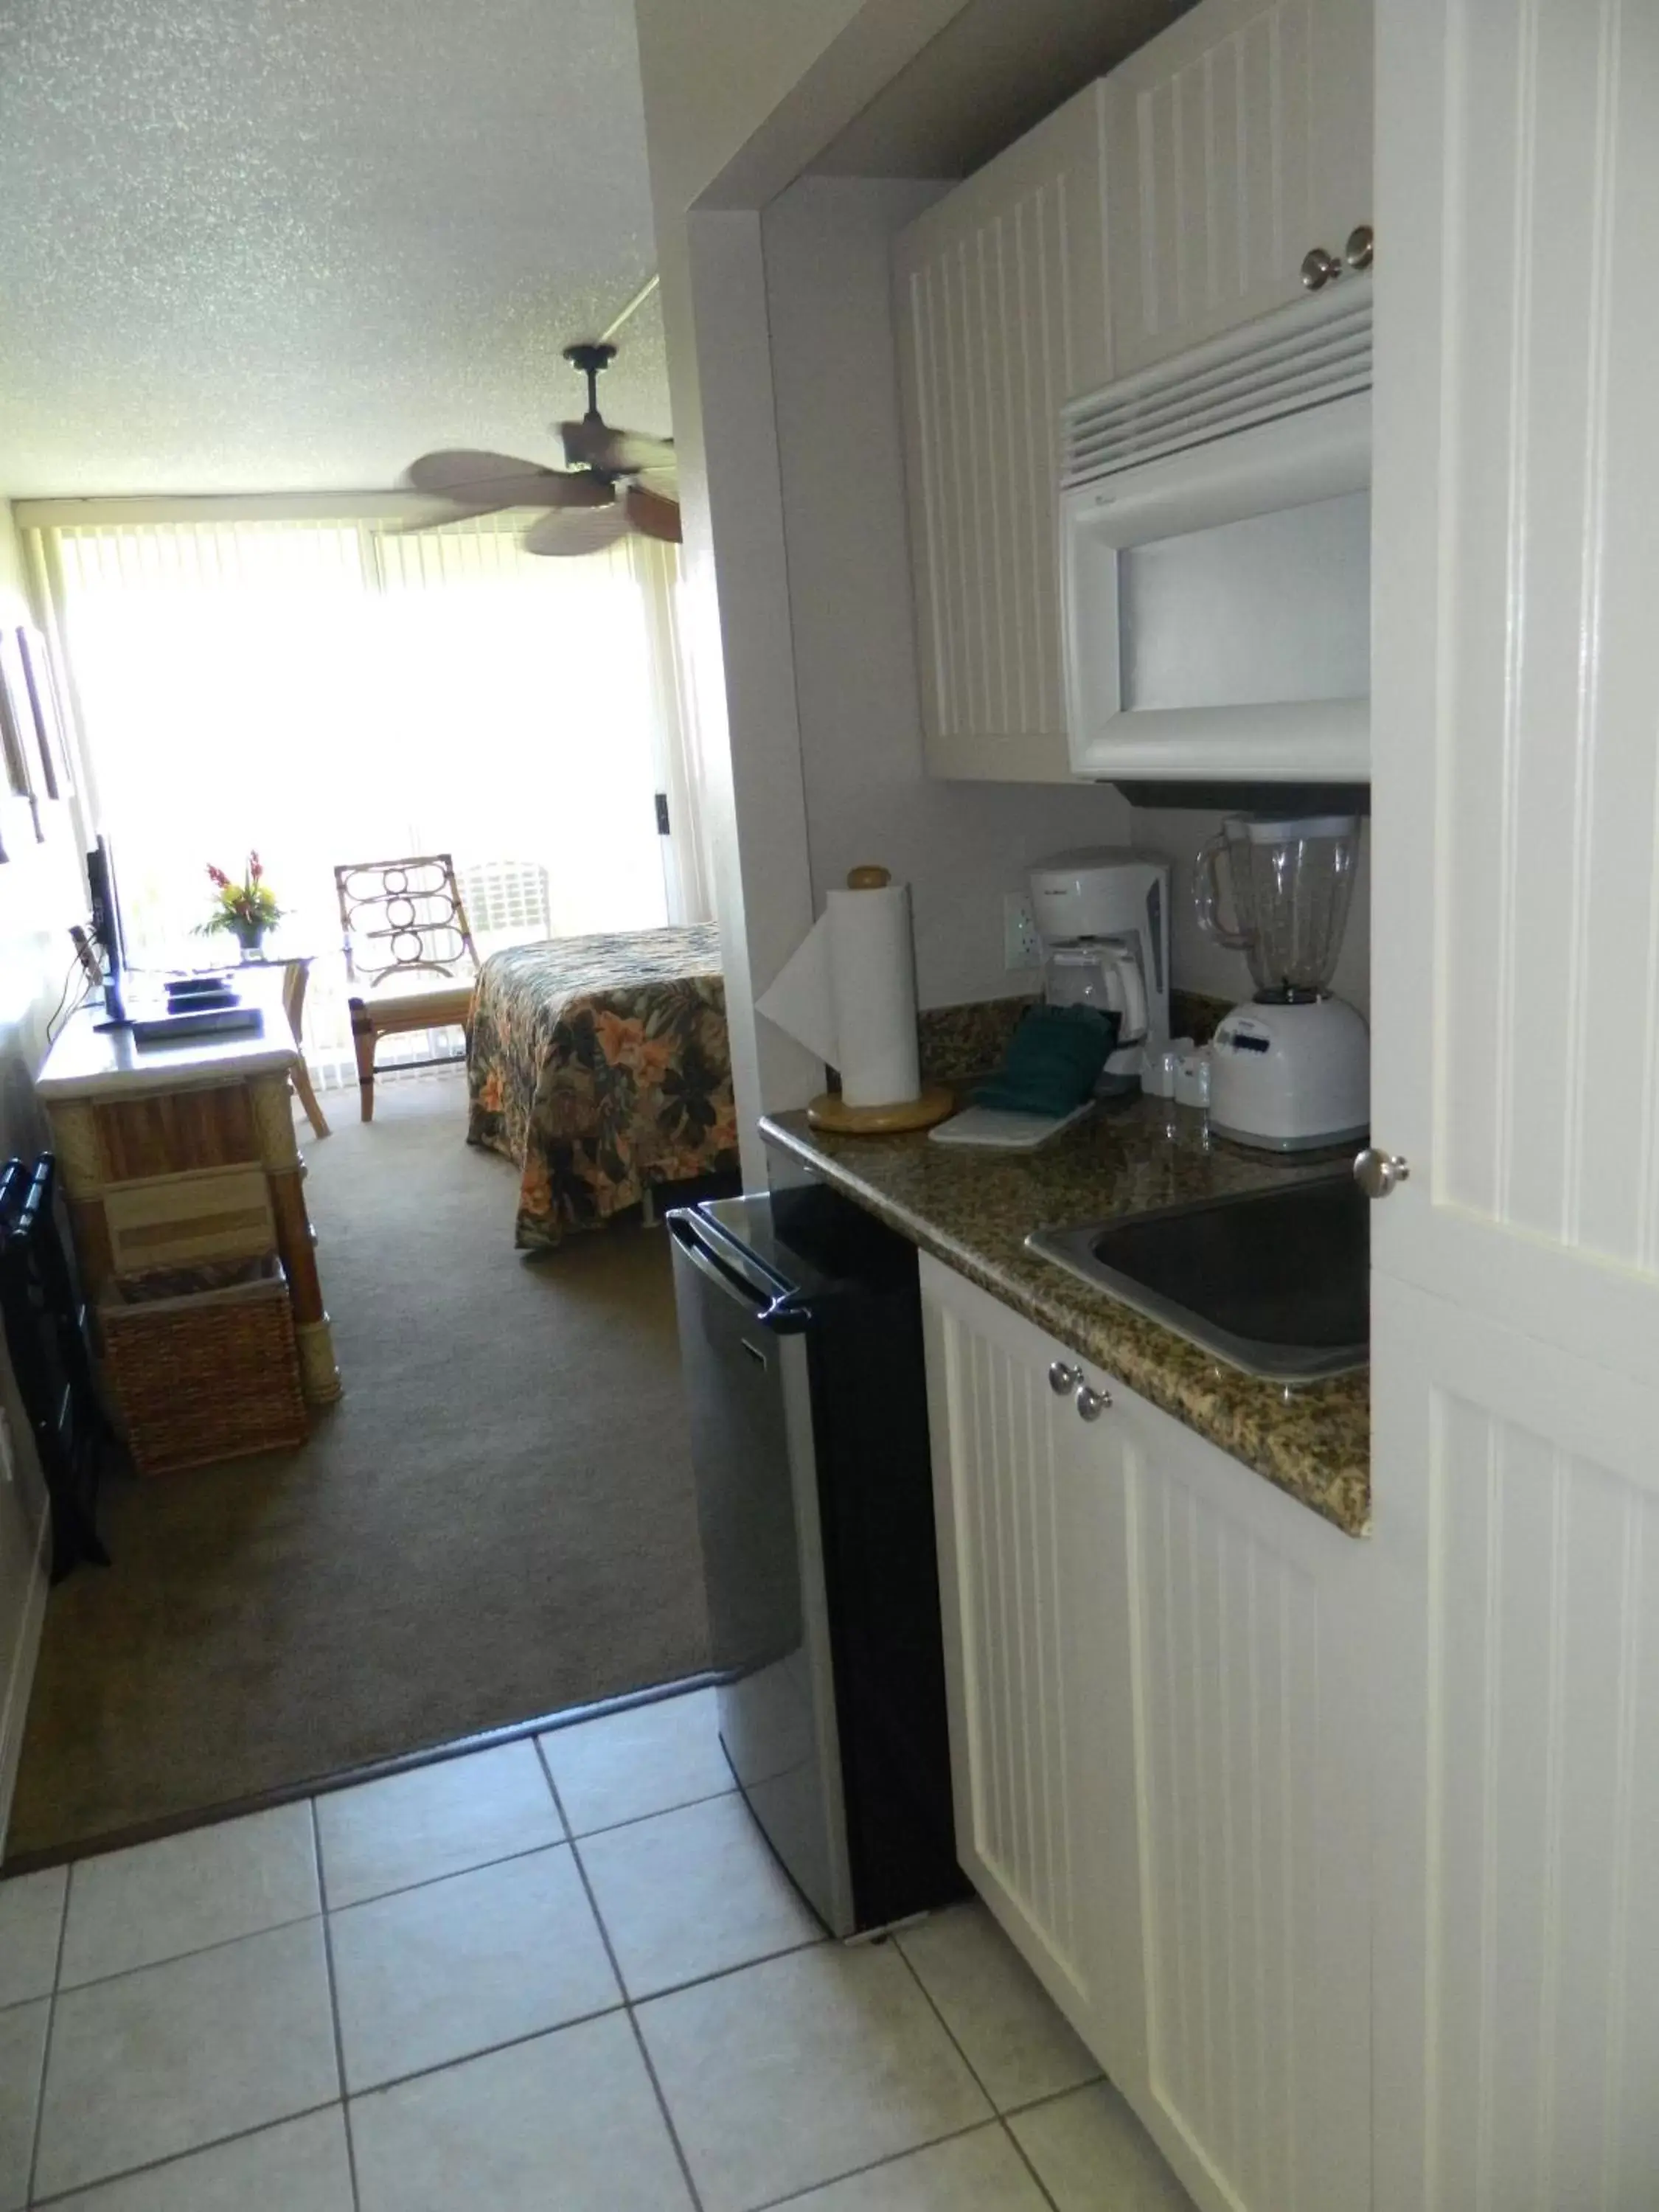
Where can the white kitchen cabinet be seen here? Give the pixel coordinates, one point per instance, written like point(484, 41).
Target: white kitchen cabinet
point(1169, 202)
point(1023, 1543)
point(1235, 142)
point(1158, 1741)
point(1000, 308)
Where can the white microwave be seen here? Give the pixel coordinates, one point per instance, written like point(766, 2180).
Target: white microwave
point(1215, 557)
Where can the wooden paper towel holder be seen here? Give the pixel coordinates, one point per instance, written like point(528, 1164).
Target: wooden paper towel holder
point(829, 1110)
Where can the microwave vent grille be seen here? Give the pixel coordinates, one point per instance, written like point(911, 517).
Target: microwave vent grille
point(1305, 355)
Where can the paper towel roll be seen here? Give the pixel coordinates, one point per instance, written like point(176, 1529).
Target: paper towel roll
point(848, 994)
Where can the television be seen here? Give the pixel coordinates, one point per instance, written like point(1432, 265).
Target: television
point(108, 933)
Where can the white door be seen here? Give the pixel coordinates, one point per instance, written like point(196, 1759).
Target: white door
point(1516, 1059)
point(1024, 1588)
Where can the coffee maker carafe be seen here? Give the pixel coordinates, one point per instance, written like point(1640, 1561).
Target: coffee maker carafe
point(1290, 1070)
point(1103, 917)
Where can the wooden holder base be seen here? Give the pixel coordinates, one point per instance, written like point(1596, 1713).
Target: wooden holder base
point(831, 1112)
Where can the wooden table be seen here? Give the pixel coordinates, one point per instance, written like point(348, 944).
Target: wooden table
point(295, 968)
point(185, 1152)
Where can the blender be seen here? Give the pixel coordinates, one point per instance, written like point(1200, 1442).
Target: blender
point(1291, 1070)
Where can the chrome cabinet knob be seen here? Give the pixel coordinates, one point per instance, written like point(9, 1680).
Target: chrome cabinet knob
point(1378, 1174)
point(1319, 269)
point(1360, 247)
point(1090, 1404)
point(1062, 1379)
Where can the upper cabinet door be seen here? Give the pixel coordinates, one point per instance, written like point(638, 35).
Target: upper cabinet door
point(1238, 141)
point(1001, 312)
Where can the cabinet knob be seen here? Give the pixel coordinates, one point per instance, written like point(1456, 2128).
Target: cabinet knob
point(1090, 1403)
point(1360, 247)
point(1062, 1379)
point(1319, 269)
point(1379, 1174)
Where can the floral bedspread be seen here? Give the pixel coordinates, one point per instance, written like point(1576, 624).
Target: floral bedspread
point(597, 1066)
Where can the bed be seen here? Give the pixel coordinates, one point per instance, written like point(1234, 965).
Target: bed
point(599, 1067)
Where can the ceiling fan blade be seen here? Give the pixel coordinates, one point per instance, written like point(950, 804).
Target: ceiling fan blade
point(489, 483)
point(619, 452)
point(573, 534)
point(463, 468)
point(653, 514)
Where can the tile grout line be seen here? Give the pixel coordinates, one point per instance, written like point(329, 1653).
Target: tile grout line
point(1000, 2116)
point(46, 2047)
point(180, 2157)
point(639, 1819)
point(887, 2159)
point(485, 2050)
point(334, 2006)
point(615, 1967)
point(455, 1874)
point(195, 1951)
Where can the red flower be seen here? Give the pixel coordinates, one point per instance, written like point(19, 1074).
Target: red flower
point(254, 871)
point(218, 877)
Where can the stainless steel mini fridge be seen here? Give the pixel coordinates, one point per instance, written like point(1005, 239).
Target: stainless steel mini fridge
point(800, 1335)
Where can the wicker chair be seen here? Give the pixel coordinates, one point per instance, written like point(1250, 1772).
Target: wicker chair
point(406, 936)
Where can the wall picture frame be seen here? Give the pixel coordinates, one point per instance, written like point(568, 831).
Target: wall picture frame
point(21, 772)
point(45, 713)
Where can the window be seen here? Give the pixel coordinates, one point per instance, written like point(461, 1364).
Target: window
point(328, 691)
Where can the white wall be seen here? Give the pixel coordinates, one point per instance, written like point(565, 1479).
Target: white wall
point(40, 895)
point(1198, 964)
point(725, 79)
point(867, 795)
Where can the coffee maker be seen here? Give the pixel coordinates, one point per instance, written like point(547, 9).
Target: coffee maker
point(1289, 1071)
point(1103, 916)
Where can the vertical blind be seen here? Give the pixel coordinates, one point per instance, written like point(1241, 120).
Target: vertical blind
point(331, 691)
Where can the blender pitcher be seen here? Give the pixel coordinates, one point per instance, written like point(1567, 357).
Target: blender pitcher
point(1291, 883)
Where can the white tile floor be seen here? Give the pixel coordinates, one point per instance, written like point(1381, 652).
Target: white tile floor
point(422, 1993)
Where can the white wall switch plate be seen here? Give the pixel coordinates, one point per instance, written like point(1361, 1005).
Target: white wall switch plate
point(1021, 945)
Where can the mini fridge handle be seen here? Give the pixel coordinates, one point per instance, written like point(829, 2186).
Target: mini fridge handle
point(778, 1309)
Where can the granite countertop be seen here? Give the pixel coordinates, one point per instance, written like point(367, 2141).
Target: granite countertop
point(972, 1209)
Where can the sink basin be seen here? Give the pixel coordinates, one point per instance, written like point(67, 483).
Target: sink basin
point(1276, 1282)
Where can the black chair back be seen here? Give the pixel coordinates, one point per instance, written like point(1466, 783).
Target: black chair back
point(45, 1323)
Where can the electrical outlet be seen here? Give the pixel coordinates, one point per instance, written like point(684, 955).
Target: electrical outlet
point(1021, 945)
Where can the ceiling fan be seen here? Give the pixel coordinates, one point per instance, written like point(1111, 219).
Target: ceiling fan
point(618, 481)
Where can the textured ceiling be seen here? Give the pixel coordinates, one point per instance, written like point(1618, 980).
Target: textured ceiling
point(265, 245)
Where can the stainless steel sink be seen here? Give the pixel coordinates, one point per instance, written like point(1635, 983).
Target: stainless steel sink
point(1276, 1282)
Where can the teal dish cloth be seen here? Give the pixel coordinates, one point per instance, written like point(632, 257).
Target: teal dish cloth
point(1055, 1058)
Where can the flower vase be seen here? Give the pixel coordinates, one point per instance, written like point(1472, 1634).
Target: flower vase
point(251, 936)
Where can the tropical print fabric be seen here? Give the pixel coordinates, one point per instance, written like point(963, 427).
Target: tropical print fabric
point(599, 1065)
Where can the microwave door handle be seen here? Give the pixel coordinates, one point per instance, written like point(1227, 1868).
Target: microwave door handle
point(1206, 897)
point(778, 1311)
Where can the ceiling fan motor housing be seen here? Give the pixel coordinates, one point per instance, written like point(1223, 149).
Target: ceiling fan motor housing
point(592, 359)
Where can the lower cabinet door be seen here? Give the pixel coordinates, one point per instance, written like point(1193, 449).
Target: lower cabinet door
point(1241, 1641)
point(1023, 1543)
point(1159, 1734)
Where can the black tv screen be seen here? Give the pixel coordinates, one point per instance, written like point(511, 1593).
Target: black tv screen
point(106, 925)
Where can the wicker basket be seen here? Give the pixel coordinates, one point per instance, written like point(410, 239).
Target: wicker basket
point(203, 1363)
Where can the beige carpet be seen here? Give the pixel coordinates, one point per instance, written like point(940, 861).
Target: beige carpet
point(495, 1522)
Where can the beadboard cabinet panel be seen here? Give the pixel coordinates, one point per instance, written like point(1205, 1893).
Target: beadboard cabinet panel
point(1159, 1741)
point(1235, 142)
point(1021, 1540)
point(1000, 307)
point(1248, 1689)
